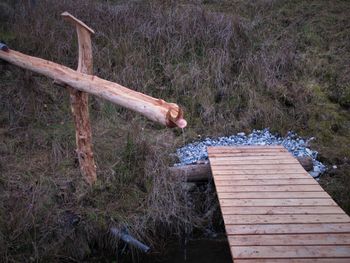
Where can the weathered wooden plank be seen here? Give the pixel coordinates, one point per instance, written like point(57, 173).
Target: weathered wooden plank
point(250, 154)
point(273, 209)
point(267, 188)
point(258, 171)
point(294, 260)
point(222, 162)
point(244, 229)
point(285, 219)
point(286, 240)
point(294, 167)
point(276, 202)
point(219, 177)
point(280, 210)
point(253, 152)
point(247, 147)
point(303, 181)
point(290, 251)
point(268, 195)
point(257, 149)
point(248, 158)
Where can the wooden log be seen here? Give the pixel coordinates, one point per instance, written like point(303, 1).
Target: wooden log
point(157, 110)
point(202, 172)
point(192, 172)
point(80, 102)
point(306, 162)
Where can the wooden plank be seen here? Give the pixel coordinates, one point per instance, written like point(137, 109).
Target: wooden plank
point(259, 171)
point(230, 149)
point(237, 158)
point(219, 177)
point(280, 210)
point(295, 167)
point(276, 202)
point(250, 154)
point(293, 260)
point(303, 181)
point(273, 146)
point(244, 229)
point(268, 195)
point(285, 219)
point(267, 188)
point(222, 161)
point(245, 148)
point(282, 157)
point(290, 251)
point(286, 240)
point(273, 209)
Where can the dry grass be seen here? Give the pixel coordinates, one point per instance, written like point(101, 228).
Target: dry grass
point(233, 65)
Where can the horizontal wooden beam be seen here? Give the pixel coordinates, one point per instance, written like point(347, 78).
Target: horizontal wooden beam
point(202, 172)
point(192, 172)
point(157, 110)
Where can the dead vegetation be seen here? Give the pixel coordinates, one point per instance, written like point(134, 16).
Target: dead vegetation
point(232, 65)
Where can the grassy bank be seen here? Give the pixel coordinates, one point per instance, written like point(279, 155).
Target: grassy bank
point(232, 65)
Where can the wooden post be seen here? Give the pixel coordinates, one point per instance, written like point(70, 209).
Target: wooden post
point(80, 102)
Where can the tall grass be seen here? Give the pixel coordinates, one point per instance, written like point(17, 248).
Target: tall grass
point(248, 66)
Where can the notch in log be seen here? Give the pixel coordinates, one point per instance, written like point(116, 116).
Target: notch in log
point(79, 101)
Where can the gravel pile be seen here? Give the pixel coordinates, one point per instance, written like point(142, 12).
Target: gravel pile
point(197, 151)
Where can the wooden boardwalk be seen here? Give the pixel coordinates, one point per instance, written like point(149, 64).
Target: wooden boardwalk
point(273, 210)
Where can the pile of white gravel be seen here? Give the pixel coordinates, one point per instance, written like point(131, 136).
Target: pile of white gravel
point(197, 151)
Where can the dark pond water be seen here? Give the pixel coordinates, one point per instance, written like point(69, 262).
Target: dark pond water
point(199, 250)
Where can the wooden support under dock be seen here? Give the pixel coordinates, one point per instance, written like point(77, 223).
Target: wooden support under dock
point(273, 210)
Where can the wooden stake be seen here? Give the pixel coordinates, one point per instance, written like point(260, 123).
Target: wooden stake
point(80, 102)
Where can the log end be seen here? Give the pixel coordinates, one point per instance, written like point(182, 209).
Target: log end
point(76, 21)
point(174, 117)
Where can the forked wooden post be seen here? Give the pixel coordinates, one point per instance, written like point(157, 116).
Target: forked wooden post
point(80, 102)
point(82, 82)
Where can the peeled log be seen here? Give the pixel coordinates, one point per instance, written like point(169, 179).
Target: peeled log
point(202, 172)
point(157, 110)
point(192, 172)
point(306, 162)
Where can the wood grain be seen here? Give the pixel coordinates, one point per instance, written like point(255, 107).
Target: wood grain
point(268, 195)
point(288, 240)
point(280, 210)
point(277, 202)
point(301, 228)
point(291, 251)
point(273, 210)
point(285, 219)
point(80, 102)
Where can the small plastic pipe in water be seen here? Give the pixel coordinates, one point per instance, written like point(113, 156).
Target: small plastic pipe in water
point(4, 47)
point(123, 235)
